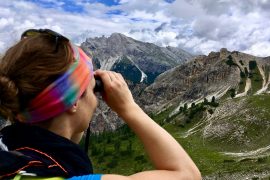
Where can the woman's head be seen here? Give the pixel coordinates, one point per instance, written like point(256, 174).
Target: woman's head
point(32, 66)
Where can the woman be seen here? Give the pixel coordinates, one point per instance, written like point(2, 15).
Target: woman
point(47, 92)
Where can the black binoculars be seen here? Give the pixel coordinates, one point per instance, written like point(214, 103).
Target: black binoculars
point(99, 84)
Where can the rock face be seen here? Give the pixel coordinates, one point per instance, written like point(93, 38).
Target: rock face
point(137, 61)
point(204, 76)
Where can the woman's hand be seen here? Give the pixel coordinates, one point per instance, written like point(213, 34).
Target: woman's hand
point(116, 92)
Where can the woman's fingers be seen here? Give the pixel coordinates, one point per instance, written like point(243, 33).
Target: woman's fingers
point(105, 77)
point(116, 92)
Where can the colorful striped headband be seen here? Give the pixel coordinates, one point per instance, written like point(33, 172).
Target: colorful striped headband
point(63, 92)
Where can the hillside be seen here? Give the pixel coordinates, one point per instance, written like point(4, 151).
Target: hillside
point(230, 141)
point(206, 76)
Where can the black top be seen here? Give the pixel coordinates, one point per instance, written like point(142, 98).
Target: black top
point(39, 151)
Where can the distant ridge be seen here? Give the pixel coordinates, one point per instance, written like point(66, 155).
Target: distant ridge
point(207, 76)
point(137, 61)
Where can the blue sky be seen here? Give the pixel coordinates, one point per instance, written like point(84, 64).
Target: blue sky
point(198, 26)
point(71, 5)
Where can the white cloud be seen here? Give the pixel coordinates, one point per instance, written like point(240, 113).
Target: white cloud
point(144, 15)
point(2, 45)
point(183, 9)
point(200, 26)
point(123, 1)
point(259, 49)
point(4, 22)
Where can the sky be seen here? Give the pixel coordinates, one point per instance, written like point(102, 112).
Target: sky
point(197, 26)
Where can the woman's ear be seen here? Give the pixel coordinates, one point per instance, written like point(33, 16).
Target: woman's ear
point(73, 108)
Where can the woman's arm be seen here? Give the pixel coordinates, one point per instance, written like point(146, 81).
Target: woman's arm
point(168, 157)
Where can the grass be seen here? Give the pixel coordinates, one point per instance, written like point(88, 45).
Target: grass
point(161, 117)
point(206, 153)
point(242, 85)
point(112, 155)
point(267, 75)
point(262, 101)
point(230, 94)
point(266, 69)
point(121, 162)
point(256, 81)
point(207, 159)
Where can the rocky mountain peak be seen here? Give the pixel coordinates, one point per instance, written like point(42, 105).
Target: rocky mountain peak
point(119, 37)
point(145, 61)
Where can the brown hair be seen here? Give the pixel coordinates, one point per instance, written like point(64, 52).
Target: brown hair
point(27, 68)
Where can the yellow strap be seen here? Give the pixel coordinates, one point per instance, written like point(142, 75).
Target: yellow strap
point(17, 177)
point(24, 177)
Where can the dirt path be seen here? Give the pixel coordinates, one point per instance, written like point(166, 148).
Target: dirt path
point(248, 86)
point(265, 84)
point(254, 153)
point(193, 130)
point(196, 127)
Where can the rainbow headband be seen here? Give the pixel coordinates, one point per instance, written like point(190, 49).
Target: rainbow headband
point(63, 92)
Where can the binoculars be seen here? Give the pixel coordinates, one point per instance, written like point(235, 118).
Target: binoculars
point(99, 84)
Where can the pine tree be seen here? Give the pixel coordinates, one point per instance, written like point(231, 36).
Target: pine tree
point(213, 99)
